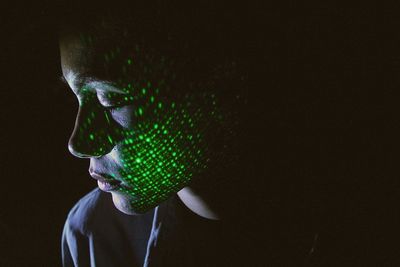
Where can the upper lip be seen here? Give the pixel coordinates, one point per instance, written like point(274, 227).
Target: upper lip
point(103, 177)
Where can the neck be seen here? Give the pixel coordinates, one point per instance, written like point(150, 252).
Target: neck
point(197, 203)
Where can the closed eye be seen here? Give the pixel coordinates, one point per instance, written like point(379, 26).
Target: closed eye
point(112, 99)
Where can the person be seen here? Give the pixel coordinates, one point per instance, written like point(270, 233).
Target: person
point(172, 116)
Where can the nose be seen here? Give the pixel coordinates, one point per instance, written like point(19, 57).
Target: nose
point(93, 132)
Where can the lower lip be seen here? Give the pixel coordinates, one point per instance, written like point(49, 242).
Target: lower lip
point(107, 187)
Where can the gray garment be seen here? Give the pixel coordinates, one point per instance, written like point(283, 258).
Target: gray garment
point(97, 234)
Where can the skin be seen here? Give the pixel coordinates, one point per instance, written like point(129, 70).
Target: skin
point(143, 134)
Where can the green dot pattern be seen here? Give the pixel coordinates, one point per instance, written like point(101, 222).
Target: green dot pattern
point(158, 126)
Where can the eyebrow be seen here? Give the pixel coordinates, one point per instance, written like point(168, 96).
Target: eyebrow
point(92, 83)
point(103, 86)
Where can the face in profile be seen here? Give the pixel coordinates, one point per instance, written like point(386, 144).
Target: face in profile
point(148, 123)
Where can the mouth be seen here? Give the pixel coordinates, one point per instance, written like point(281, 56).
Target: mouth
point(105, 182)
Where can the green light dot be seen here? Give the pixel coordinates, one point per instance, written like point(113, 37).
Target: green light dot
point(155, 126)
point(138, 160)
point(140, 111)
point(106, 115)
point(91, 136)
point(129, 61)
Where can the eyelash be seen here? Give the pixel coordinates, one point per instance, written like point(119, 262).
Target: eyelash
point(114, 108)
point(103, 99)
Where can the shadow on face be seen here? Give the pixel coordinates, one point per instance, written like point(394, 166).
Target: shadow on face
point(149, 122)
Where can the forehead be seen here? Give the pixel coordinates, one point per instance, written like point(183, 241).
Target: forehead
point(92, 57)
point(86, 60)
point(75, 61)
point(140, 58)
point(114, 65)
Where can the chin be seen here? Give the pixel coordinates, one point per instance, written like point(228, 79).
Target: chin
point(123, 204)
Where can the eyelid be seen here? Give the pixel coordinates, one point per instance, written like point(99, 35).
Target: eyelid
point(106, 99)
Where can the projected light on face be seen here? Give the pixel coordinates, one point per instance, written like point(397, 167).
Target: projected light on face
point(146, 127)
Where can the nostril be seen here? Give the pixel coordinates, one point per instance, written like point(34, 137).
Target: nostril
point(91, 137)
point(75, 151)
point(78, 148)
point(85, 149)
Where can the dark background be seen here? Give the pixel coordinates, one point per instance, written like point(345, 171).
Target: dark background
point(40, 179)
point(346, 62)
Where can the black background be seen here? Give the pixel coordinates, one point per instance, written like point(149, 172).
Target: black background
point(40, 179)
point(347, 56)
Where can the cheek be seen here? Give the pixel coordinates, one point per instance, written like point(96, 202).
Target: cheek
point(124, 116)
point(178, 140)
point(160, 155)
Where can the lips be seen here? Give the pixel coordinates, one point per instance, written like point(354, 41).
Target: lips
point(107, 187)
point(105, 182)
